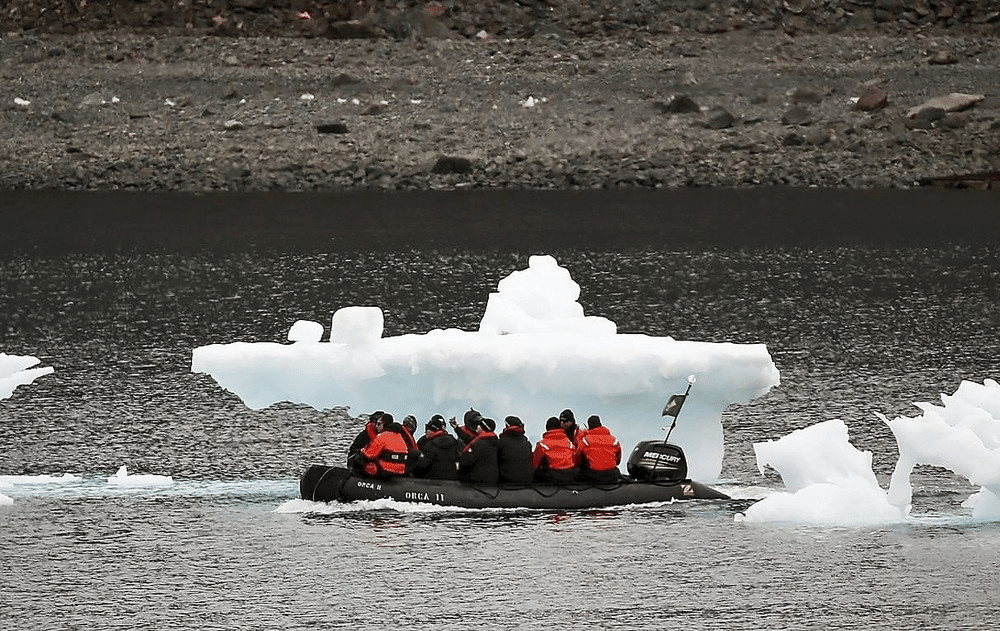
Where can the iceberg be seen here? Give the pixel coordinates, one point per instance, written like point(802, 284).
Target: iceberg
point(535, 354)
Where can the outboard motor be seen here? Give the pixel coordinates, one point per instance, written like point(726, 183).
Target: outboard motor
point(656, 460)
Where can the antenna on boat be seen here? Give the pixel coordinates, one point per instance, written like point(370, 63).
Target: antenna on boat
point(673, 406)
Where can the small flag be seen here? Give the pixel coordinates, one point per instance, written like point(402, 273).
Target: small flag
point(673, 407)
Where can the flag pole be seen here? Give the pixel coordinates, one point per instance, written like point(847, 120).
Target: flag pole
point(678, 401)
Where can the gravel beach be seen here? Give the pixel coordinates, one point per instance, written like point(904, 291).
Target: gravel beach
point(248, 95)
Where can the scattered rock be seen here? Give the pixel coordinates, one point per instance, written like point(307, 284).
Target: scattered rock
point(954, 102)
point(873, 98)
point(797, 115)
point(804, 95)
point(332, 128)
point(679, 104)
point(925, 118)
point(817, 137)
point(943, 57)
point(452, 164)
point(232, 125)
point(718, 118)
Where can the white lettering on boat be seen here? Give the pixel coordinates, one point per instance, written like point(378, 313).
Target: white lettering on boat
point(418, 496)
point(369, 485)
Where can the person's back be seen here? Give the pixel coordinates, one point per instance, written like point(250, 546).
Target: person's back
point(600, 453)
point(555, 460)
point(478, 463)
point(438, 458)
point(514, 454)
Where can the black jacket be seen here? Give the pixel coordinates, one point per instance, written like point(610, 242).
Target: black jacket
point(477, 464)
point(514, 456)
point(437, 458)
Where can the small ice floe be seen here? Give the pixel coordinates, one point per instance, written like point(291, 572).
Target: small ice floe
point(9, 481)
point(532, 101)
point(22, 102)
point(16, 370)
point(122, 478)
point(307, 97)
point(6, 500)
point(828, 481)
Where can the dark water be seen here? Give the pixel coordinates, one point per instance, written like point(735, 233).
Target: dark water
point(867, 302)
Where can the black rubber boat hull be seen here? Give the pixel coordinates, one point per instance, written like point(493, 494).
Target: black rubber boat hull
point(326, 484)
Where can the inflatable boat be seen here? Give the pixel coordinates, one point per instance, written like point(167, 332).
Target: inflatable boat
point(657, 473)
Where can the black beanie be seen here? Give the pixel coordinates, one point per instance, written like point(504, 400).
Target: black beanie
point(488, 423)
point(513, 420)
point(567, 415)
point(472, 417)
point(552, 423)
point(593, 421)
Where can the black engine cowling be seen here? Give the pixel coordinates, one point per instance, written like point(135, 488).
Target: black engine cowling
point(657, 460)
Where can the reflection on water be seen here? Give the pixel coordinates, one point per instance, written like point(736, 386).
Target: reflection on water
point(864, 315)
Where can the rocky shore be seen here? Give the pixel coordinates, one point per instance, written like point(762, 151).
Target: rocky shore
point(248, 95)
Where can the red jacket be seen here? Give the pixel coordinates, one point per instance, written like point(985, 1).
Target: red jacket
point(386, 455)
point(599, 450)
point(554, 451)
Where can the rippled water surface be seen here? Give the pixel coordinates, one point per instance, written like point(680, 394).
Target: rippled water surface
point(114, 292)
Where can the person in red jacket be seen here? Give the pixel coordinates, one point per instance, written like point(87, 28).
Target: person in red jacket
point(600, 453)
point(387, 454)
point(555, 459)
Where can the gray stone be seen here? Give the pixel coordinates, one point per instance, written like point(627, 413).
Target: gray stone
point(797, 115)
point(718, 118)
point(680, 104)
point(452, 164)
point(332, 128)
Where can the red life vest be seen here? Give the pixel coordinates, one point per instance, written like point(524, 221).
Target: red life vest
point(600, 450)
point(386, 455)
point(554, 451)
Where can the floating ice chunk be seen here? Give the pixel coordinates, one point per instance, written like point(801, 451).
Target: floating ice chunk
point(963, 435)
point(15, 370)
point(828, 480)
point(22, 102)
point(9, 481)
point(6, 500)
point(122, 478)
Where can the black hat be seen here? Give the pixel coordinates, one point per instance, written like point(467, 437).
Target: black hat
point(593, 421)
point(436, 423)
point(513, 420)
point(552, 423)
point(410, 421)
point(567, 415)
point(472, 416)
point(387, 418)
point(488, 424)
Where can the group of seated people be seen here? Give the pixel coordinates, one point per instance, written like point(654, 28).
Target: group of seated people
point(566, 453)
